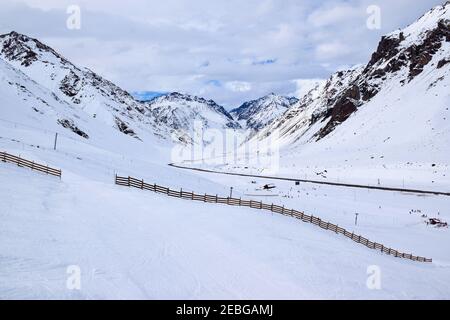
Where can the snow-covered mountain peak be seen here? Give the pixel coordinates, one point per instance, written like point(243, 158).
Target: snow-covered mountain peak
point(19, 48)
point(190, 100)
point(413, 47)
point(257, 114)
point(87, 92)
point(180, 112)
point(416, 32)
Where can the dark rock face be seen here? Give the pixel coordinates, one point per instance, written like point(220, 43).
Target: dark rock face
point(69, 124)
point(124, 128)
point(18, 52)
point(70, 84)
point(342, 109)
point(18, 47)
point(389, 58)
point(387, 48)
point(368, 91)
point(422, 54)
point(442, 63)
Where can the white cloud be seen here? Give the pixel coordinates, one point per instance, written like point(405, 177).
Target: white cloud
point(332, 50)
point(238, 86)
point(336, 14)
point(212, 48)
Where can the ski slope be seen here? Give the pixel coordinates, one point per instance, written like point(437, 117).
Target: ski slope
point(136, 244)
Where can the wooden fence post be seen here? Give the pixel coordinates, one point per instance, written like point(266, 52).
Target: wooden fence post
point(253, 204)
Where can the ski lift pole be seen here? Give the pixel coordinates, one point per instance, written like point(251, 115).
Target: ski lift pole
point(56, 140)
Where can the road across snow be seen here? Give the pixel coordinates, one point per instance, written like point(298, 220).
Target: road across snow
point(338, 184)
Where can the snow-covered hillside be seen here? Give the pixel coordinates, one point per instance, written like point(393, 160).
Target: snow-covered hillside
point(257, 114)
point(404, 59)
point(134, 244)
point(171, 117)
point(83, 89)
point(387, 122)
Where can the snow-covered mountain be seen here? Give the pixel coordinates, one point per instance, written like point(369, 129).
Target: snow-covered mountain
point(383, 123)
point(180, 112)
point(88, 95)
point(408, 71)
point(257, 114)
point(83, 89)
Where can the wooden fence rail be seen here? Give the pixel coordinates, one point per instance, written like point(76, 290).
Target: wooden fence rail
point(140, 184)
point(21, 162)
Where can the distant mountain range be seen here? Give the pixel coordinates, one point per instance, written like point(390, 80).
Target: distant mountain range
point(257, 114)
point(36, 75)
point(41, 86)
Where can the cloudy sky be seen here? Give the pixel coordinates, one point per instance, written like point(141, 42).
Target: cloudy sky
point(229, 51)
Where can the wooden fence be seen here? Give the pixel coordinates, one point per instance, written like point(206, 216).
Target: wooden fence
point(140, 184)
point(6, 157)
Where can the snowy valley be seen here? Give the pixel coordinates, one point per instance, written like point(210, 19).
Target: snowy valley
point(382, 124)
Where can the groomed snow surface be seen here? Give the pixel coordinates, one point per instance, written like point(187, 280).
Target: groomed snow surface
point(130, 243)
